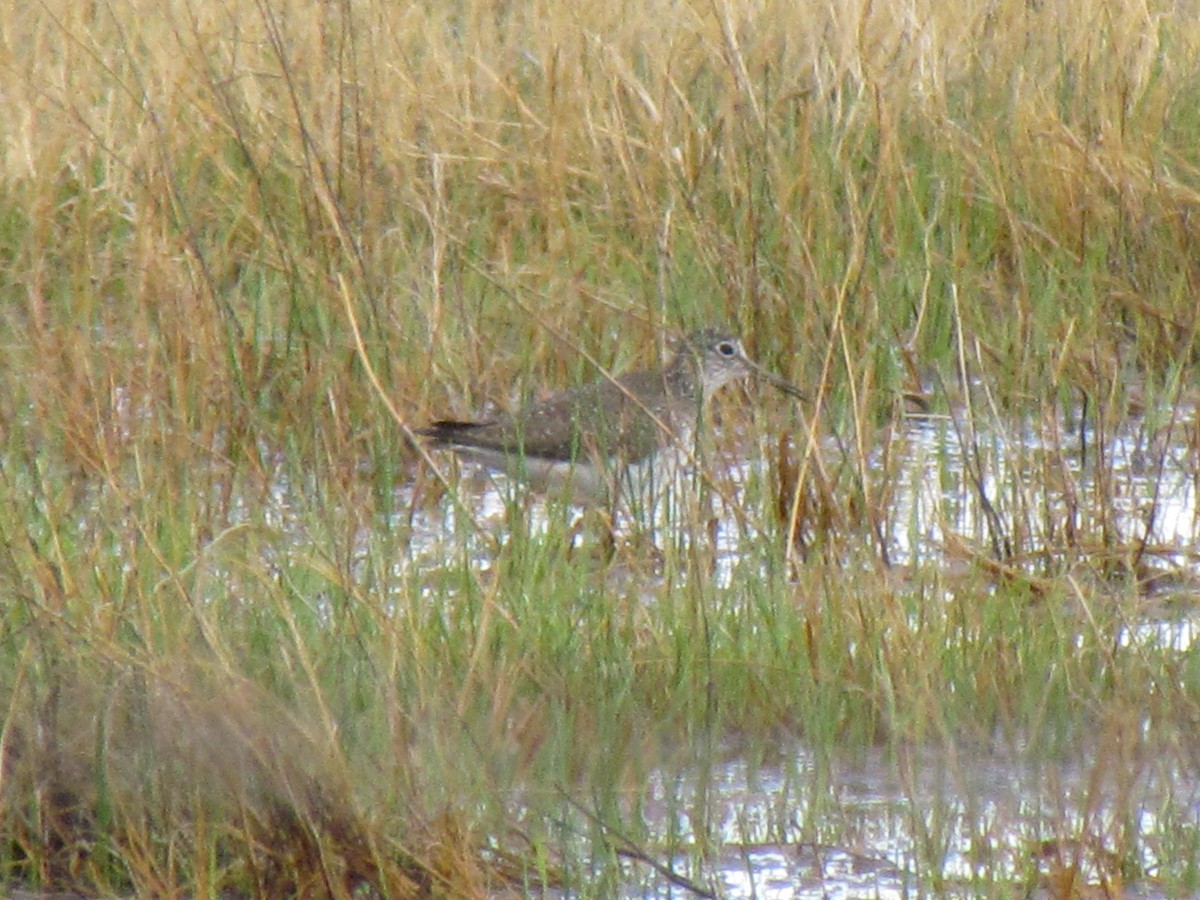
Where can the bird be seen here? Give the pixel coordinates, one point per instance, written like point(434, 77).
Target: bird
point(594, 440)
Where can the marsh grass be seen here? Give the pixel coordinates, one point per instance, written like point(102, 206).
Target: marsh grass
point(247, 245)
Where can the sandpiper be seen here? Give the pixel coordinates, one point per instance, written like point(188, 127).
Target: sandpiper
point(597, 438)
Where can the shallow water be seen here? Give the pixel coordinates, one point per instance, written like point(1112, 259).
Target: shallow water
point(987, 822)
point(1019, 495)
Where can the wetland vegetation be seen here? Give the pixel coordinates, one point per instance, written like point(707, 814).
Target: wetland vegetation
point(256, 641)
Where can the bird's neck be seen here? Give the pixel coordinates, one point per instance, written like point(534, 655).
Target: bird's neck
point(685, 379)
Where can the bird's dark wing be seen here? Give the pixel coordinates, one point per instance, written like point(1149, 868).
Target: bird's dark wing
point(598, 419)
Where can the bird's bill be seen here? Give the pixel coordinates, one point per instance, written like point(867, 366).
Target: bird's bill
point(781, 383)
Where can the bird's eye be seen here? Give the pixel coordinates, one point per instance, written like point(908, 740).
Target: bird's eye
point(727, 349)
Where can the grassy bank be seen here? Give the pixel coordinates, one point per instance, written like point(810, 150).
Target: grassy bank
point(230, 232)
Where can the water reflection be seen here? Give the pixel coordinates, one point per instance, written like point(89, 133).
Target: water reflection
point(986, 823)
point(938, 490)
